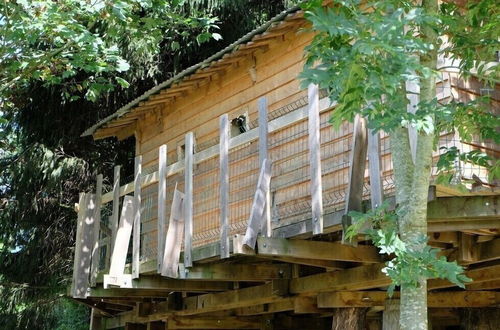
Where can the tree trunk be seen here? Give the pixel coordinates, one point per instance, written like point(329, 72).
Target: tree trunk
point(480, 319)
point(412, 184)
point(349, 318)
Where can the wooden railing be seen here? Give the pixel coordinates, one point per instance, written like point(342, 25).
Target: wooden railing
point(315, 170)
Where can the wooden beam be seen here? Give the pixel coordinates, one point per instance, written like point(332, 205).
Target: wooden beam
point(173, 240)
point(162, 204)
point(155, 282)
point(188, 198)
point(449, 299)
point(357, 278)
point(315, 158)
point(210, 322)
point(83, 246)
point(136, 239)
point(478, 275)
point(255, 295)
point(316, 250)
point(258, 205)
point(236, 272)
point(97, 224)
point(286, 304)
point(474, 208)
point(263, 155)
point(306, 305)
point(224, 185)
point(354, 193)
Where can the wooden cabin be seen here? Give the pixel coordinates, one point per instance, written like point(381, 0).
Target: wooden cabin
point(234, 217)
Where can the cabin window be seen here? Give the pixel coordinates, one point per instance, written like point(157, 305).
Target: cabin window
point(239, 125)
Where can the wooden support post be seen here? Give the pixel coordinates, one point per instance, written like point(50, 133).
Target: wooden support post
point(83, 247)
point(466, 248)
point(390, 316)
point(258, 206)
point(162, 200)
point(116, 213)
point(224, 186)
point(78, 241)
point(376, 186)
point(188, 199)
point(354, 193)
point(120, 247)
point(97, 224)
point(263, 155)
point(96, 320)
point(136, 240)
point(173, 241)
point(315, 159)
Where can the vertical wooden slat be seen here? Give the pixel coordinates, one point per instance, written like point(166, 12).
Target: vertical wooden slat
point(136, 240)
point(173, 242)
point(354, 193)
point(258, 205)
point(376, 186)
point(188, 198)
point(263, 154)
point(84, 245)
point(78, 241)
point(116, 213)
point(97, 223)
point(120, 247)
point(224, 185)
point(162, 200)
point(315, 159)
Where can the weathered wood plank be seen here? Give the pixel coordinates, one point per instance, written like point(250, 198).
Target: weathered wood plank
point(136, 239)
point(357, 278)
point(120, 247)
point(315, 159)
point(354, 193)
point(84, 245)
point(376, 186)
point(224, 186)
point(116, 209)
point(97, 224)
point(478, 275)
point(286, 304)
point(188, 198)
point(258, 205)
point(452, 299)
point(82, 203)
point(266, 293)
point(263, 155)
point(173, 240)
point(236, 272)
point(282, 247)
point(162, 200)
point(211, 322)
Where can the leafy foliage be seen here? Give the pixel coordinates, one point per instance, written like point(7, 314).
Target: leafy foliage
point(406, 265)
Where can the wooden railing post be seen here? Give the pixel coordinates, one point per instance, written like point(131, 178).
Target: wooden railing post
point(83, 245)
point(315, 159)
point(263, 154)
point(136, 240)
point(162, 200)
point(97, 223)
point(224, 185)
point(188, 199)
point(115, 215)
point(376, 186)
point(354, 193)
